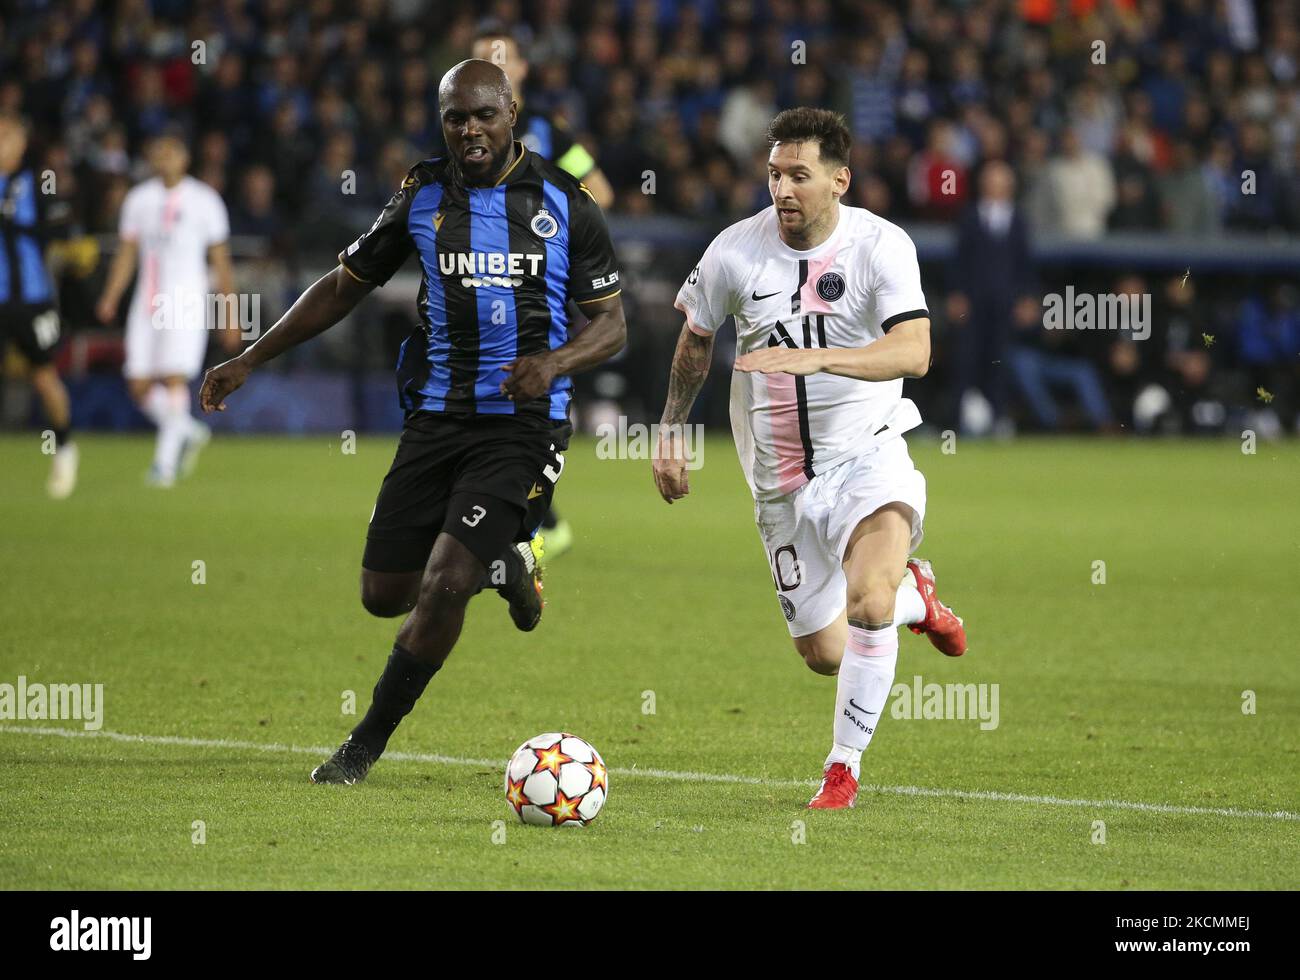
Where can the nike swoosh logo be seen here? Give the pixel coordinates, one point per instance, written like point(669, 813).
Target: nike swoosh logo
point(755, 297)
point(860, 708)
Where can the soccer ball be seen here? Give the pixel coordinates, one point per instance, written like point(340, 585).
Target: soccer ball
point(556, 779)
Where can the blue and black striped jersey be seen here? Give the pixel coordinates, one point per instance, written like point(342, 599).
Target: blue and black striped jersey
point(553, 140)
point(24, 280)
point(498, 267)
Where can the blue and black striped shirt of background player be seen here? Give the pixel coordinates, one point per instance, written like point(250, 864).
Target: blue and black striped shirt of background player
point(27, 222)
point(554, 141)
point(498, 267)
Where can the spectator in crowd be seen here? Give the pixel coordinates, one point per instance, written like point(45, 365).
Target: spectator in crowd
point(1187, 345)
point(1268, 348)
point(1083, 188)
point(1045, 364)
point(255, 212)
point(1186, 200)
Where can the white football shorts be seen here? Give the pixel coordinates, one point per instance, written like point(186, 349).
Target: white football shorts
point(805, 532)
point(162, 351)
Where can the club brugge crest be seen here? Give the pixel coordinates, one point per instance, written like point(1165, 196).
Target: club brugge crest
point(830, 287)
point(787, 607)
point(544, 224)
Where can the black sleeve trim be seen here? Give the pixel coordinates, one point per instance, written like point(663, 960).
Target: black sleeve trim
point(898, 318)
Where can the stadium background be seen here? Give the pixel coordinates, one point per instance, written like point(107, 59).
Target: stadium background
point(1130, 175)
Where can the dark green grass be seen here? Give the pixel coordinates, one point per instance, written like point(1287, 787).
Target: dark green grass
point(1127, 691)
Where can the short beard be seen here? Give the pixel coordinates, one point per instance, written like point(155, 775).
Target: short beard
point(457, 174)
point(809, 230)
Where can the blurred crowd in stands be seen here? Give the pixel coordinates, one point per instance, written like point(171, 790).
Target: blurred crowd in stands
point(1173, 116)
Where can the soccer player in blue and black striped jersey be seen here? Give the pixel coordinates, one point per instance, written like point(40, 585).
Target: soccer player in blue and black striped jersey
point(28, 314)
point(504, 240)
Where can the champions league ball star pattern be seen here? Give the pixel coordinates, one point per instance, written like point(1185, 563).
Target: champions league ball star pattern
point(556, 779)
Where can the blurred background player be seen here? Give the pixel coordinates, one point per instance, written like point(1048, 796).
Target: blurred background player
point(550, 137)
point(174, 226)
point(830, 318)
point(27, 300)
point(543, 133)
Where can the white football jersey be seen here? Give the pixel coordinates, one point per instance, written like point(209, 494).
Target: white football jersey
point(173, 229)
point(846, 292)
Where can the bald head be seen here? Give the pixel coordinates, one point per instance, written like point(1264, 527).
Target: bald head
point(478, 120)
point(474, 75)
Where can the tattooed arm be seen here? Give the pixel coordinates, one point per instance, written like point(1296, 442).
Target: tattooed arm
point(690, 368)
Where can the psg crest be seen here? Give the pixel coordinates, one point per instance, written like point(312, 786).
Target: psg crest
point(830, 287)
point(787, 607)
point(544, 225)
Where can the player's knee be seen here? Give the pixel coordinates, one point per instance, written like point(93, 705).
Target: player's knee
point(388, 596)
point(821, 662)
point(871, 599)
point(819, 653)
point(384, 603)
point(452, 584)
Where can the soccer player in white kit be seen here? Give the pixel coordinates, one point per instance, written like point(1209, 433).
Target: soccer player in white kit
point(830, 318)
point(175, 226)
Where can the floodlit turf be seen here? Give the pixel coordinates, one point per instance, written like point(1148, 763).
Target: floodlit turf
point(1128, 691)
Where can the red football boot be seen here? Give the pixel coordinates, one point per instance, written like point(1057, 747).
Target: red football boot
point(838, 790)
point(941, 624)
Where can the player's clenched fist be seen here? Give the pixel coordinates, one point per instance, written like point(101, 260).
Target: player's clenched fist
point(528, 377)
point(670, 469)
point(221, 381)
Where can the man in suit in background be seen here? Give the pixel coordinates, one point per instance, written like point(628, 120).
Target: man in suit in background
point(993, 286)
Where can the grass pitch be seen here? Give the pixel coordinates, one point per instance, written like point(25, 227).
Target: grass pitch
point(1110, 695)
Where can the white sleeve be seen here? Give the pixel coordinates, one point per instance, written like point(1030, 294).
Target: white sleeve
point(706, 297)
point(129, 221)
point(218, 220)
point(897, 281)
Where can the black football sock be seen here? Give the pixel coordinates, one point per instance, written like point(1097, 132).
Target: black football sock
point(550, 520)
point(61, 436)
point(400, 686)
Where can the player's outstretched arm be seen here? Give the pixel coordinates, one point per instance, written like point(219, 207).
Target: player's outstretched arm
point(223, 274)
point(120, 274)
point(327, 301)
point(904, 352)
point(690, 367)
point(604, 336)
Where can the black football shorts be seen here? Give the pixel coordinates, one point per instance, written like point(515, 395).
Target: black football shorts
point(34, 329)
point(485, 479)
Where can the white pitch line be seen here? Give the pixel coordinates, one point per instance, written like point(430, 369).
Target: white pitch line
point(688, 777)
